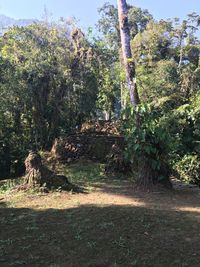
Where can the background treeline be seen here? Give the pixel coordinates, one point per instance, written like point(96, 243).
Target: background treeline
point(53, 77)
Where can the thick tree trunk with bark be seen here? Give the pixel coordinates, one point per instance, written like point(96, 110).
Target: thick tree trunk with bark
point(148, 177)
point(126, 51)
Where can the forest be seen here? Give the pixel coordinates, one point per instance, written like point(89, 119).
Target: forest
point(100, 141)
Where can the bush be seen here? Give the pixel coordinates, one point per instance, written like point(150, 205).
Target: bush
point(188, 169)
point(148, 145)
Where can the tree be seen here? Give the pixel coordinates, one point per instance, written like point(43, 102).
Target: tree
point(108, 23)
point(48, 86)
point(145, 136)
point(126, 52)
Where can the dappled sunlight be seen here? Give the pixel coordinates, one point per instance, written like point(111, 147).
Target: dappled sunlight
point(99, 138)
point(189, 209)
point(109, 194)
point(106, 225)
point(67, 200)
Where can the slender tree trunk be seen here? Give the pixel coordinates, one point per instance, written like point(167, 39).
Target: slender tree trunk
point(126, 52)
point(181, 53)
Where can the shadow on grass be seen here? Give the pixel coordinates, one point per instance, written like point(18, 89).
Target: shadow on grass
point(168, 199)
point(99, 236)
point(87, 173)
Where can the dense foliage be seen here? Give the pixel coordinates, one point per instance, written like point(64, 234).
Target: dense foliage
point(53, 77)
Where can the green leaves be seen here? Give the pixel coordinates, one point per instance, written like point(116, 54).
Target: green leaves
point(150, 140)
point(46, 87)
point(188, 168)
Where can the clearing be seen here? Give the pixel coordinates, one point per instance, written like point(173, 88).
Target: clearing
point(110, 225)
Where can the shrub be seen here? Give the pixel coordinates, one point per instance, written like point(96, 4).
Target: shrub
point(148, 145)
point(188, 169)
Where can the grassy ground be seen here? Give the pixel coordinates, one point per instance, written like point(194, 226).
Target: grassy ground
point(109, 225)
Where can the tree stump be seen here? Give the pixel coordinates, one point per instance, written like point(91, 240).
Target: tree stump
point(33, 165)
point(38, 175)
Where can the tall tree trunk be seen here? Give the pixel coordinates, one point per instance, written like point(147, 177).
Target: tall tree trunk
point(126, 52)
point(181, 52)
point(147, 176)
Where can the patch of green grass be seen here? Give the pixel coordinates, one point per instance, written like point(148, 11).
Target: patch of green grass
point(105, 225)
point(91, 244)
point(121, 242)
point(17, 263)
point(115, 265)
point(26, 248)
point(78, 235)
point(7, 185)
point(31, 228)
point(6, 242)
point(83, 171)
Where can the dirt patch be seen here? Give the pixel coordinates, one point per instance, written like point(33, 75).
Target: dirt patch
point(111, 225)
